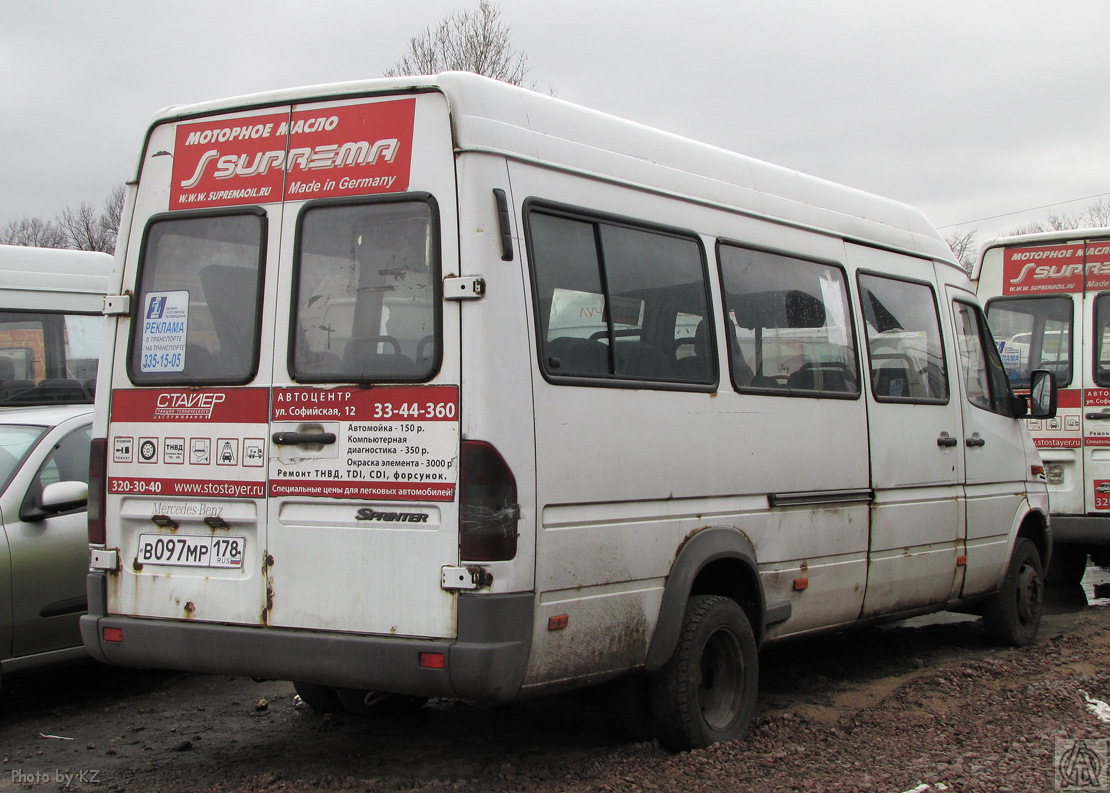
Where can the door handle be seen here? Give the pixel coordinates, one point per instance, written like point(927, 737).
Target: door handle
point(946, 441)
point(1103, 416)
point(297, 438)
point(975, 441)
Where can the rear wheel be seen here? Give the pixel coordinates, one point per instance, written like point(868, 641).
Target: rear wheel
point(321, 699)
point(706, 691)
point(1068, 565)
point(1013, 615)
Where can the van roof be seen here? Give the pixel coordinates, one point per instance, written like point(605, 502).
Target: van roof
point(1042, 237)
point(53, 278)
point(495, 117)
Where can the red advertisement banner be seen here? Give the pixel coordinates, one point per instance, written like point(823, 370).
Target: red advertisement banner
point(1046, 269)
point(1102, 494)
point(154, 486)
point(413, 403)
point(1057, 443)
point(391, 491)
point(310, 153)
point(229, 406)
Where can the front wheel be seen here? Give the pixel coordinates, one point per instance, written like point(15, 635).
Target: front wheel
point(706, 691)
point(1013, 615)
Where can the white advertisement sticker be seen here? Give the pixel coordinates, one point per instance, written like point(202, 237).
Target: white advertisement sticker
point(165, 326)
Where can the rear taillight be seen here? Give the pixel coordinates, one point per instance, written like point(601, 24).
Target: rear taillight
point(488, 509)
point(98, 469)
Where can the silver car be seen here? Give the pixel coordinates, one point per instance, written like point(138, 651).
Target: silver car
point(44, 473)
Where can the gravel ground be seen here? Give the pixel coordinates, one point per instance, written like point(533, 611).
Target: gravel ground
point(919, 706)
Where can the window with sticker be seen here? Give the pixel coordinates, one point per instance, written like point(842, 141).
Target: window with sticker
point(1033, 333)
point(199, 295)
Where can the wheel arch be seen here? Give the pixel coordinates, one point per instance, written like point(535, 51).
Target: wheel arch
point(1036, 528)
point(717, 560)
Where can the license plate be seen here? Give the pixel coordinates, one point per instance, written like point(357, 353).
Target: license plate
point(185, 550)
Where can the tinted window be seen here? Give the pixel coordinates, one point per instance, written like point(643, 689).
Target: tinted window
point(620, 302)
point(200, 284)
point(1033, 333)
point(366, 307)
point(903, 340)
point(790, 327)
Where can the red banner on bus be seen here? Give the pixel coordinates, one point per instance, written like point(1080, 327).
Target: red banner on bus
point(320, 153)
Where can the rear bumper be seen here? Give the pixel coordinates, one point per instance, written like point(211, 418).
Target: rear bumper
point(487, 661)
point(1081, 529)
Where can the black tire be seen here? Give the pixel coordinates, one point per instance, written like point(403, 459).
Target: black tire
point(321, 699)
point(1013, 614)
point(378, 704)
point(1101, 558)
point(1067, 566)
point(706, 692)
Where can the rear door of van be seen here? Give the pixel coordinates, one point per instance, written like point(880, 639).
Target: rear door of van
point(285, 411)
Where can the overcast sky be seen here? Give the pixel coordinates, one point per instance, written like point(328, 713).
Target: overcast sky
point(966, 109)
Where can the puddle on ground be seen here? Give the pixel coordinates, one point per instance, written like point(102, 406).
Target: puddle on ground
point(1092, 592)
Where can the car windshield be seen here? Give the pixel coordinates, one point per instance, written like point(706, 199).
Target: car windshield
point(16, 441)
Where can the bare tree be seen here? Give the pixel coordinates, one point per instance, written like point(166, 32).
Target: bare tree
point(33, 232)
point(964, 247)
point(86, 230)
point(469, 41)
point(81, 228)
point(1097, 215)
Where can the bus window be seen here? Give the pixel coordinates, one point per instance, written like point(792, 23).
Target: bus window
point(1102, 339)
point(620, 302)
point(1032, 333)
point(366, 283)
point(903, 340)
point(200, 287)
point(790, 323)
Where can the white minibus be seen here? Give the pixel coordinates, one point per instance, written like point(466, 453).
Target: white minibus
point(1047, 299)
point(51, 322)
point(438, 387)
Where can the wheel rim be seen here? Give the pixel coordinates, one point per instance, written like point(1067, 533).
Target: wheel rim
point(1028, 594)
point(721, 680)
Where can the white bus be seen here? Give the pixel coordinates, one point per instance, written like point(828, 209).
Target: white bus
point(51, 304)
point(1047, 299)
point(437, 387)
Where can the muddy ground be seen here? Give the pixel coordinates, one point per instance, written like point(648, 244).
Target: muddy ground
point(921, 706)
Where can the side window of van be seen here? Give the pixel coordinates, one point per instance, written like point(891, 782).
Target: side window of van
point(619, 302)
point(1102, 339)
point(987, 384)
point(789, 324)
point(1033, 333)
point(903, 340)
point(365, 305)
point(199, 293)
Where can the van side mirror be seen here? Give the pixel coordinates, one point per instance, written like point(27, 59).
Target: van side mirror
point(1042, 394)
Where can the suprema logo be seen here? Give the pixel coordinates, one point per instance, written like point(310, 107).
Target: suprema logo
point(369, 513)
point(1034, 261)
